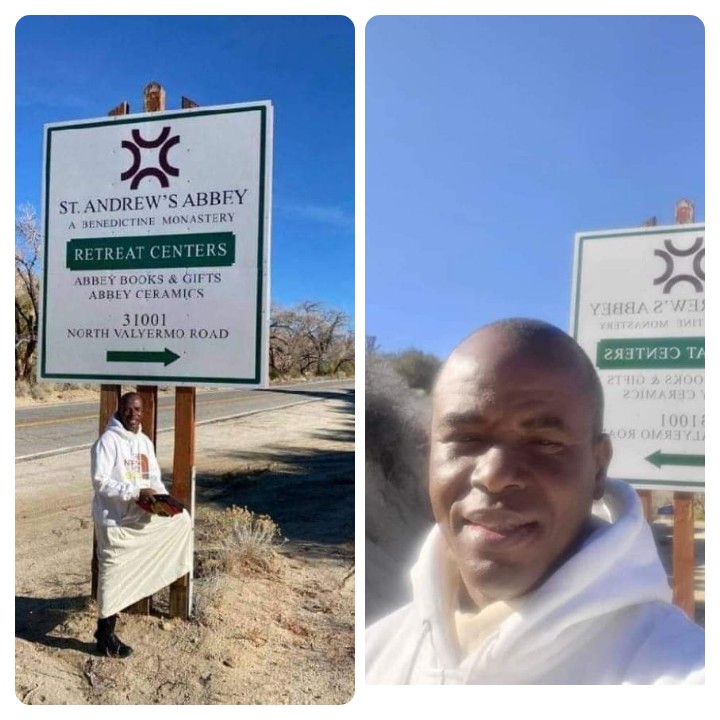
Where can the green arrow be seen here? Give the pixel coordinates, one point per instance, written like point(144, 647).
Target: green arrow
point(659, 458)
point(165, 357)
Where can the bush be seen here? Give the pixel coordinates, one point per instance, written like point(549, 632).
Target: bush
point(418, 368)
point(249, 541)
point(207, 598)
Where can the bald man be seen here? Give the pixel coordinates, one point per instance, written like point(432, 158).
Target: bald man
point(518, 582)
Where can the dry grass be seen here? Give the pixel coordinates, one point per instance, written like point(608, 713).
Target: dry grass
point(249, 540)
point(30, 393)
point(207, 598)
point(230, 543)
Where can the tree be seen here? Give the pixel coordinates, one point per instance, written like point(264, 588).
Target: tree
point(372, 347)
point(27, 267)
point(417, 367)
point(341, 355)
point(310, 338)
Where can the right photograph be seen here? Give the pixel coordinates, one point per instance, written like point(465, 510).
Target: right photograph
point(535, 350)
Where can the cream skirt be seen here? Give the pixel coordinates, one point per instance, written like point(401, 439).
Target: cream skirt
point(138, 559)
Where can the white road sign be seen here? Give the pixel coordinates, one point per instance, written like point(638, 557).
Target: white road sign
point(639, 313)
point(157, 234)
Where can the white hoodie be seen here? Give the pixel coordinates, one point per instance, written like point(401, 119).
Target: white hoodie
point(603, 618)
point(121, 463)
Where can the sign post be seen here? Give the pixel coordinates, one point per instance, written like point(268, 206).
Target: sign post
point(638, 311)
point(183, 490)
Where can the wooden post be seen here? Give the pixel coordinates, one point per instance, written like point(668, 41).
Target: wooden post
point(182, 488)
point(184, 453)
point(646, 500)
point(684, 552)
point(109, 401)
point(684, 212)
point(148, 395)
point(122, 109)
point(683, 516)
point(154, 97)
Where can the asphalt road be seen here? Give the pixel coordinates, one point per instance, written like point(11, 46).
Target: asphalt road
point(51, 429)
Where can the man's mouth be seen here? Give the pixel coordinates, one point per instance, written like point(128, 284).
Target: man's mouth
point(498, 531)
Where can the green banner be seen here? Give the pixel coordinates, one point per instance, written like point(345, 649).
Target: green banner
point(152, 251)
point(651, 353)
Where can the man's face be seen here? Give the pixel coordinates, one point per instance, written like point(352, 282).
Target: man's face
point(514, 465)
point(130, 413)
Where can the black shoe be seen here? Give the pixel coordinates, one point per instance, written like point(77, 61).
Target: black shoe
point(108, 643)
point(113, 647)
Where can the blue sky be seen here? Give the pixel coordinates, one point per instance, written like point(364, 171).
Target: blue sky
point(491, 141)
point(70, 68)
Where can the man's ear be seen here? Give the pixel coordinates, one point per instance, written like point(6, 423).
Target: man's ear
point(602, 451)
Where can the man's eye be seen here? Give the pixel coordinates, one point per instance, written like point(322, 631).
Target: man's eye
point(547, 445)
point(465, 439)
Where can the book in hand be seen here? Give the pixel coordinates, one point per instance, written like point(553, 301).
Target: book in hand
point(163, 505)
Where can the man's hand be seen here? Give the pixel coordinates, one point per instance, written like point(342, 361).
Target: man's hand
point(147, 493)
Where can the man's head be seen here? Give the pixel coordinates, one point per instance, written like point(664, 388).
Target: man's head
point(517, 454)
point(130, 411)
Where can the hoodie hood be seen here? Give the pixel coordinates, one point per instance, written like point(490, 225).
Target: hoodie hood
point(114, 425)
point(616, 567)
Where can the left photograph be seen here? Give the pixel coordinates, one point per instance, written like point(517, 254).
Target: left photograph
point(184, 360)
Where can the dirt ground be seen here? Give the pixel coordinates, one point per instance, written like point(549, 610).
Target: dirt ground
point(278, 632)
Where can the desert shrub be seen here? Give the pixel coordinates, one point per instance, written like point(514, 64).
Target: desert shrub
point(29, 388)
point(249, 541)
point(46, 391)
point(40, 391)
point(207, 595)
point(22, 388)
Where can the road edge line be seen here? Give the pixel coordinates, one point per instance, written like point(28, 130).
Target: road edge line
point(75, 448)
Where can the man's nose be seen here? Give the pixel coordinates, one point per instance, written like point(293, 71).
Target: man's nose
point(498, 468)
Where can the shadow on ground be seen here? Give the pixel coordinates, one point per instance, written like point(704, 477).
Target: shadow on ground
point(309, 493)
point(35, 618)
